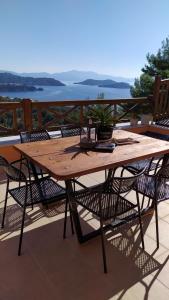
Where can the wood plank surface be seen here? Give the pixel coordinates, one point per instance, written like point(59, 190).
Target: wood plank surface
point(64, 159)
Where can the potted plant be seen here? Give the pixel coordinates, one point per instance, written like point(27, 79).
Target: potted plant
point(133, 112)
point(102, 115)
point(134, 118)
point(146, 114)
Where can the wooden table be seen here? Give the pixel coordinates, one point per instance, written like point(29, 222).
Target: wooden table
point(63, 159)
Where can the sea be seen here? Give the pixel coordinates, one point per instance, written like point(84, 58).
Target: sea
point(70, 92)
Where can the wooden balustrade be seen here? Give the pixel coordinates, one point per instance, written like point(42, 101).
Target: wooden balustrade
point(161, 98)
point(27, 114)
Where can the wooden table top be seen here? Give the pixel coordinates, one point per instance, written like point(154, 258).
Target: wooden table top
point(63, 158)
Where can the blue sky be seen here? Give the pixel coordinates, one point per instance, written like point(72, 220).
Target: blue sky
point(106, 36)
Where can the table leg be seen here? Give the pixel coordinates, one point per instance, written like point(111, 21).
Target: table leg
point(73, 207)
point(80, 236)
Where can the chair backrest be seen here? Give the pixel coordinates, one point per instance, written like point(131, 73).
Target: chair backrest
point(163, 172)
point(121, 184)
point(11, 172)
point(68, 131)
point(161, 101)
point(34, 136)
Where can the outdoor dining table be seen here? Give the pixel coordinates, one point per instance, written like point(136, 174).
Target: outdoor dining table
point(64, 160)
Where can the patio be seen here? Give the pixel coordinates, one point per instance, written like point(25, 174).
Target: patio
point(53, 268)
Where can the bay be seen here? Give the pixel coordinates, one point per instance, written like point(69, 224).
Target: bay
point(70, 92)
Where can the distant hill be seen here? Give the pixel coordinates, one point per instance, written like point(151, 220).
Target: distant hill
point(74, 75)
point(12, 87)
point(30, 81)
point(105, 83)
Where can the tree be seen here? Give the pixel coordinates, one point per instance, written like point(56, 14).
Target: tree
point(157, 64)
point(142, 86)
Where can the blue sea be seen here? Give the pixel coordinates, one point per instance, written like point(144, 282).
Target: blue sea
point(70, 92)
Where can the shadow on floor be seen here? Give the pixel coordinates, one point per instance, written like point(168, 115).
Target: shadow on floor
point(53, 268)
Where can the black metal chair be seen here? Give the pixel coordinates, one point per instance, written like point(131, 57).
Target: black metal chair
point(33, 136)
point(148, 165)
point(70, 130)
point(156, 188)
point(162, 123)
point(45, 190)
point(107, 204)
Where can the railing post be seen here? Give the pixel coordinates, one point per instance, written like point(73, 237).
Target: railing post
point(81, 115)
point(27, 109)
point(115, 110)
point(156, 94)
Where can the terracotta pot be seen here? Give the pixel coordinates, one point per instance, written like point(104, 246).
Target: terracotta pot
point(146, 119)
point(134, 121)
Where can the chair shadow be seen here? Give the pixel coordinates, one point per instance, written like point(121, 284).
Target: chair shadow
point(14, 212)
point(64, 269)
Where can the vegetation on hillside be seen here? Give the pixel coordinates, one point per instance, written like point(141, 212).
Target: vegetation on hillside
point(157, 64)
point(11, 78)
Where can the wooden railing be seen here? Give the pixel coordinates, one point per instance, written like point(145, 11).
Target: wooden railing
point(28, 115)
point(161, 98)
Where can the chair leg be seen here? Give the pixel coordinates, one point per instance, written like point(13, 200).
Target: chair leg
point(71, 220)
point(141, 226)
point(65, 220)
point(103, 247)
point(20, 169)
point(6, 198)
point(29, 175)
point(21, 233)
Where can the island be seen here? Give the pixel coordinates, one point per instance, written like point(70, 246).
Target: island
point(9, 78)
point(107, 83)
point(12, 87)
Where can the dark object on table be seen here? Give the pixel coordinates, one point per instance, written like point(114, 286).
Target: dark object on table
point(107, 147)
point(97, 146)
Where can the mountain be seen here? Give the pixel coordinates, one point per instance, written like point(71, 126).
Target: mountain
point(105, 83)
point(12, 87)
point(16, 79)
point(74, 75)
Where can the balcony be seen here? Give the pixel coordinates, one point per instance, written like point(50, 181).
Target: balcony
point(53, 268)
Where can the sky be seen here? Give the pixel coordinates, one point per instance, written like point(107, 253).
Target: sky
point(105, 36)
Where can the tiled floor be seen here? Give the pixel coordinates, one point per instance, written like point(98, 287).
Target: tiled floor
point(53, 268)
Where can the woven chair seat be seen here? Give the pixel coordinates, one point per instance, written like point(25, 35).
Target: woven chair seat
point(163, 122)
point(146, 186)
point(50, 191)
point(90, 200)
